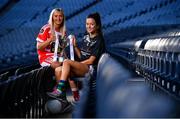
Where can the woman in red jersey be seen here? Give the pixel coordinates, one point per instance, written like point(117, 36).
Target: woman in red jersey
point(48, 53)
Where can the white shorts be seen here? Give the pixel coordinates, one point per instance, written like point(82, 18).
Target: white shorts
point(43, 64)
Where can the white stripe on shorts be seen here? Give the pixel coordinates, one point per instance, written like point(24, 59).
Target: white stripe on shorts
point(43, 64)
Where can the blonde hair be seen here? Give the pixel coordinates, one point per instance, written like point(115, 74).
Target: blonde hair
point(51, 22)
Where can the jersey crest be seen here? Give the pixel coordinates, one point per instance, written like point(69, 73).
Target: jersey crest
point(41, 31)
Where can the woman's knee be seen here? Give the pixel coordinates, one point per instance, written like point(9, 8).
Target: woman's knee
point(54, 65)
point(58, 69)
point(66, 62)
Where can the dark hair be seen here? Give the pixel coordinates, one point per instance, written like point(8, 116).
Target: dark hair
point(97, 19)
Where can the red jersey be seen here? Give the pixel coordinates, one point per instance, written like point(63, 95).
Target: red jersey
point(47, 54)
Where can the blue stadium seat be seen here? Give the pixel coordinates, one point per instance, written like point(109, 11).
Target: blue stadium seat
point(26, 69)
point(110, 74)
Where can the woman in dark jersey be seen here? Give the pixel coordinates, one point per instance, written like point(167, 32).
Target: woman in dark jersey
point(89, 54)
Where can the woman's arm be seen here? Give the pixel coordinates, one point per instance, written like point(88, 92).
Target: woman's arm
point(89, 61)
point(43, 45)
point(77, 50)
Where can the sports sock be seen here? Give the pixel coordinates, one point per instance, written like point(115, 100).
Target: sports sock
point(61, 87)
point(75, 93)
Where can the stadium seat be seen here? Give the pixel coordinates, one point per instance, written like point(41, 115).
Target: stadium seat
point(26, 69)
point(110, 74)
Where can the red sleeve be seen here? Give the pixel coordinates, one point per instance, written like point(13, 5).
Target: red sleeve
point(43, 34)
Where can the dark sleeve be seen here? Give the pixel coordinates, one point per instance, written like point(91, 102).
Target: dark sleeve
point(98, 49)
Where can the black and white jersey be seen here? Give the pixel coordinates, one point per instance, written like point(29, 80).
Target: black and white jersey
point(92, 47)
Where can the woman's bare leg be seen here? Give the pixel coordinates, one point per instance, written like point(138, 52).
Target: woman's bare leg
point(69, 67)
point(73, 67)
point(72, 83)
point(74, 89)
point(58, 71)
point(54, 65)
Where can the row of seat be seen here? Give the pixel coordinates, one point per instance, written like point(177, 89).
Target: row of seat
point(69, 11)
point(24, 95)
point(121, 94)
point(139, 16)
point(15, 17)
point(128, 40)
point(156, 58)
point(103, 7)
point(160, 61)
point(3, 3)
